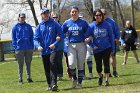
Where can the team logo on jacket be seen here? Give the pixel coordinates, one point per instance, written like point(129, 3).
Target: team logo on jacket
point(128, 31)
point(50, 28)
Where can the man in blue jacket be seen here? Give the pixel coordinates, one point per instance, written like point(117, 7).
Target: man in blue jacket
point(116, 33)
point(22, 40)
point(45, 41)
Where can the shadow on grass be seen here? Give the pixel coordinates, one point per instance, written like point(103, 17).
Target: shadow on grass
point(128, 75)
point(125, 83)
point(79, 88)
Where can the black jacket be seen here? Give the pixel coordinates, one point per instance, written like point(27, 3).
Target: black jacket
point(129, 35)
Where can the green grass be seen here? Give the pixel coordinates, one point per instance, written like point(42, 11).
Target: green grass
point(128, 82)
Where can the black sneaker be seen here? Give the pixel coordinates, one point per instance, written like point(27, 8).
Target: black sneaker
point(115, 74)
point(29, 80)
point(100, 80)
point(20, 82)
point(110, 75)
point(54, 88)
point(106, 83)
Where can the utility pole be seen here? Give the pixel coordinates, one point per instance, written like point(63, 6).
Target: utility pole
point(133, 15)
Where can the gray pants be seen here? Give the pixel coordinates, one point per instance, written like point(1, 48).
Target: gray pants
point(77, 55)
point(24, 55)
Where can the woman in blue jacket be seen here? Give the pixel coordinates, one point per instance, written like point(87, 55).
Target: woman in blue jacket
point(45, 41)
point(103, 44)
point(76, 28)
point(22, 40)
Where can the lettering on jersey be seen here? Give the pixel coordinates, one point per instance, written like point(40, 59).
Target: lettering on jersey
point(50, 28)
point(75, 33)
point(100, 33)
point(75, 30)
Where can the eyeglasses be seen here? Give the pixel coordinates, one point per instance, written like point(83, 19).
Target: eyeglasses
point(55, 17)
point(98, 15)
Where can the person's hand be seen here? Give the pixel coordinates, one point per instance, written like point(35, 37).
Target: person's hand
point(116, 41)
point(58, 38)
point(39, 48)
point(136, 43)
point(124, 45)
point(95, 47)
point(88, 39)
point(112, 53)
point(52, 46)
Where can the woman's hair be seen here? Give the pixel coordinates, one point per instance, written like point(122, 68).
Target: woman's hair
point(75, 7)
point(98, 10)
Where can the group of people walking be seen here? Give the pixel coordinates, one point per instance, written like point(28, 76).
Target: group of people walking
point(76, 38)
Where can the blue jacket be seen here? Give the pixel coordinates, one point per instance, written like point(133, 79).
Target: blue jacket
point(22, 36)
point(60, 45)
point(76, 30)
point(115, 28)
point(103, 37)
point(45, 35)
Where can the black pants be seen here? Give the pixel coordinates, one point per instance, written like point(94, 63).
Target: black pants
point(59, 56)
point(50, 67)
point(103, 56)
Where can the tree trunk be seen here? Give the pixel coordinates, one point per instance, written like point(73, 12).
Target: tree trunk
point(33, 11)
point(89, 7)
point(122, 18)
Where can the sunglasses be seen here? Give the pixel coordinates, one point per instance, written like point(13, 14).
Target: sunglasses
point(98, 15)
point(55, 17)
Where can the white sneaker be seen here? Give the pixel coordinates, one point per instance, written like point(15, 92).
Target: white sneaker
point(79, 86)
point(90, 75)
point(124, 63)
point(74, 83)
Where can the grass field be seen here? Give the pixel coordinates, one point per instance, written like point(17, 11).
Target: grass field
point(128, 82)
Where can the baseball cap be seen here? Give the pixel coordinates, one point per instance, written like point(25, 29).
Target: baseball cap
point(45, 10)
point(22, 15)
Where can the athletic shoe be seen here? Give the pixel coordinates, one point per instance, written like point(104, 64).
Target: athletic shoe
point(60, 78)
point(49, 88)
point(106, 83)
point(124, 63)
point(110, 75)
point(29, 80)
point(115, 74)
point(100, 80)
point(138, 62)
point(79, 86)
point(74, 83)
point(20, 82)
point(90, 75)
point(54, 88)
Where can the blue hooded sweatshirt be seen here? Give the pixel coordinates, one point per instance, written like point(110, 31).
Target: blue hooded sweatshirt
point(45, 35)
point(115, 28)
point(22, 36)
point(103, 37)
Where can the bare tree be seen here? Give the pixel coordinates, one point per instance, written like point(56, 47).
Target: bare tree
point(89, 7)
point(121, 15)
point(33, 11)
